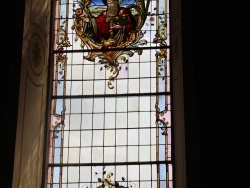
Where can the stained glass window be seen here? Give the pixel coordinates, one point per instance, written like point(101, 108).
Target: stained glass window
point(110, 118)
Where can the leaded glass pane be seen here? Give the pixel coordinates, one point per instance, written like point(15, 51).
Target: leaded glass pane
point(110, 122)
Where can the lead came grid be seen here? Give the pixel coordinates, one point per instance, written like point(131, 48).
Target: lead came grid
point(121, 134)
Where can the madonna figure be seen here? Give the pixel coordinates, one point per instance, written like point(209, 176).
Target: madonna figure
point(117, 22)
point(114, 24)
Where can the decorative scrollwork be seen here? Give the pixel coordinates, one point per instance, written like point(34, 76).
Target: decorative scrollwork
point(102, 28)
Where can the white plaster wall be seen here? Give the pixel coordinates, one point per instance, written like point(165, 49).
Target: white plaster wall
point(32, 96)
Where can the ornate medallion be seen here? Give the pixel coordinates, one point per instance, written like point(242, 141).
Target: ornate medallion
point(109, 29)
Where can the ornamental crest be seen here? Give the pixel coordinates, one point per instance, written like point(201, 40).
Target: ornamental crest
point(110, 28)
